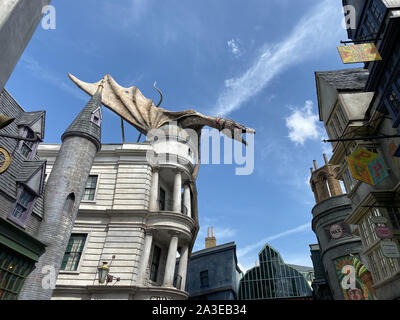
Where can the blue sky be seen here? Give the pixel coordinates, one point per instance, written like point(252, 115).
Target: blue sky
point(252, 61)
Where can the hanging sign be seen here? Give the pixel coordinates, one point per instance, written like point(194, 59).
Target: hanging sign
point(367, 166)
point(357, 53)
point(384, 232)
point(338, 230)
point(379, 220)
point(390, 249)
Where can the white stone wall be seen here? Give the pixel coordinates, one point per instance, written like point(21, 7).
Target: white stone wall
point(115, 223)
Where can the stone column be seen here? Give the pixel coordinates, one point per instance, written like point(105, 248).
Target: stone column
point(187, 200)
point(182, 268)
point(171, 261)
point(177, 197)
point(153, 206)
point(144, 262)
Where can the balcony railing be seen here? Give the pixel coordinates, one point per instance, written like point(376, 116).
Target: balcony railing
point(168, 204)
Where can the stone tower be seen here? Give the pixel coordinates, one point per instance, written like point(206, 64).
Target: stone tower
point(63, 194)
point(335, 236)
point(323, 182)
point(210, 241)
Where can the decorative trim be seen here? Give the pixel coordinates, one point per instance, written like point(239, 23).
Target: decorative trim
point(19, 241)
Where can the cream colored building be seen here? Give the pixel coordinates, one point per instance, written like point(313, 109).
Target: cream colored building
point(142, 212)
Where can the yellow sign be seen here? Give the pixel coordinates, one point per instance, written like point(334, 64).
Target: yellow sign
point(359, 53)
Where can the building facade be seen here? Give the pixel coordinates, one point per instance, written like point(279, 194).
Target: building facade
point(354, 125)
point(136, 214)
point(21, 195)
point(213, 273)
point(334, 235)
point(320, 284)
point(273, 279)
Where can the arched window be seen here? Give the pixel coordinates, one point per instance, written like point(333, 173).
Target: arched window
point(69, 204)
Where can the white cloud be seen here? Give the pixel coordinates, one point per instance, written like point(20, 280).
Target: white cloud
point(259, 244)
point(303, 124)
point(234, 47)
point(43, 73)
point(314, 33)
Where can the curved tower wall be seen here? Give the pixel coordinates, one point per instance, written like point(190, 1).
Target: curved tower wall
point(335, 237)
point(69, 176)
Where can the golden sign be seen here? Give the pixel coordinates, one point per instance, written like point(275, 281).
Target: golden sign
point(5, 160)
point(359, 53)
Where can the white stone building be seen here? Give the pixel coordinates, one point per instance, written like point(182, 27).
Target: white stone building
point(142, 212)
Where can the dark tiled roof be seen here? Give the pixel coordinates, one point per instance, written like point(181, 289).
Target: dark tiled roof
point(28, 169)
point(83, 126)
point(347, 79)
point(27, 118)
point(8, 180)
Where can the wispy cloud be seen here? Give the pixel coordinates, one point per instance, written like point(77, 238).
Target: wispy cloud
point(234, 46)
point(303, 124)
point(310, 36)
point(128, 12)
point(43, 73)
point(259, 244)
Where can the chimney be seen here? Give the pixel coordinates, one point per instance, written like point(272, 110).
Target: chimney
point(210, 241)
point(326, 159)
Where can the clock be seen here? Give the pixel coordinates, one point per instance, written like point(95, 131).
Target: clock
point(5, 160)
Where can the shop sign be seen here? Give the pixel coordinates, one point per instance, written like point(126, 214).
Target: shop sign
point(379, 220)
point(338, 230)
point(390, 249)
point(384, 232)
point(367, 166)
point(354, 279)
point(357, 53)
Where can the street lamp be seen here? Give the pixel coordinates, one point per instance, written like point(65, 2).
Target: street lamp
point(104, 275)
point(103, 272)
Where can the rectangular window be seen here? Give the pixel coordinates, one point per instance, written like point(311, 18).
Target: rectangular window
point(204, 279)
point(73, 253)
point(162, 199)
point(23, 207)
point(90, 189)
point(155, 263)
point(27, 146)
point(13, 271)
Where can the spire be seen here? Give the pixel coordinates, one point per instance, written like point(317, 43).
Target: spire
point(210, 241)
point(88, 123)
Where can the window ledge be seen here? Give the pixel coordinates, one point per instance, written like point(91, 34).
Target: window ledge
point(89, 201)
point(16, 222)
point(68, 272)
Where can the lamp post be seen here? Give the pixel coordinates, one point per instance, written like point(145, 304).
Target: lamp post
point(104, 273)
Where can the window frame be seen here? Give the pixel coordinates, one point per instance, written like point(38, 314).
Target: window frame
point(95, 189)
point(202, 279)
point(32, 146)
point(153, 276)
point(82, 253)
point(20, 272)
point(27, 209)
